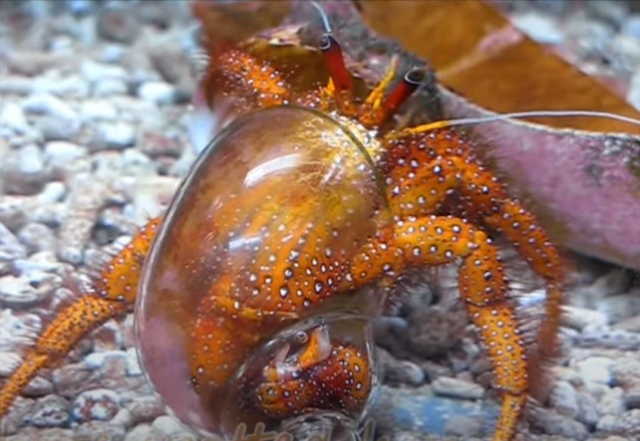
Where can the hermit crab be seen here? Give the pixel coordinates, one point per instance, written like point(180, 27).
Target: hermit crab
point(256, 288)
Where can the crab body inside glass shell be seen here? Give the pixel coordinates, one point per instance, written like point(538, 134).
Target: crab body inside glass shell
point(255, 291)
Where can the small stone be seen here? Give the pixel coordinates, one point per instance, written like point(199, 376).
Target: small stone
point(110, 87)
point(47, 104)
point(580, 318)
point(12, 116)
point(107, 337)
point(628, 424)
point(157, 92)
point(167, 425)
point(539, 27)
point(23, 171)
point(50, 411)
point(554, 424)
point(96, 405)
point(52, 192)
point(38, 387)
point(433, 331)
point(112, 53)
point(95, 72)
point(454, 387)
point(587, 409)
point(400, 371)
point(133, 364)
point(464, 426)
point(564, 399)
point(73, 379)
point(612, 402)
point(37, 237)
point(18, 330)
point(62, 152)
point(16, 84)
point(73, 86)
point(620, 307)
point(118, 24)
point(114, 136)
point(53, 128)
point(96, 110)
point(123, 418)
point(144, 432)
point(9, 361)
point(99, 430)
point(16, 292)
point(596, 369)
point(146, 409)
point(97, 360)
point(157, 144)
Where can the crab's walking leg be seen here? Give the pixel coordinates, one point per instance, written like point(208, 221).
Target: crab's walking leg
point(426, 166)
point(435, 241)
point(115, 292)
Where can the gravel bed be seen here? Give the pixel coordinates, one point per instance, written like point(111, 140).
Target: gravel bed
point(95, 133)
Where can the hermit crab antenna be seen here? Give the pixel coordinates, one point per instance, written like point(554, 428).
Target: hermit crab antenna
point(340, 77)
point(410, 82)
point(323, 16)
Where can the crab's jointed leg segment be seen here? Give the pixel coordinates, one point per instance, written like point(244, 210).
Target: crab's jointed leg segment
point(116, 289)
point(435, 241)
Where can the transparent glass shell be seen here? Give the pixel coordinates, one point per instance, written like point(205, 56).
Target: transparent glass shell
point(251, 263)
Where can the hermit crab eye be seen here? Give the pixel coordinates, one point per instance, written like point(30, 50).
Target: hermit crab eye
point(415, 76)
point(325, 42)
point(301, 337)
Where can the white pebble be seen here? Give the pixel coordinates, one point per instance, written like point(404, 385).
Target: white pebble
point(96, 360)
point(13, 117)
point(63, 152)
point(112, 53)
point(133, 364)
point(52, 192)
point(71, 86)
point(9, 361)
point(17, 292)
point(542, 29)
point(596, 369)
point(98, 111)
point(95, 72)
point(631, 27)
point(31, 160)
point(158, 92)
point(110, 87)
point(118, 136)
point(45, 103)
point(167, 425)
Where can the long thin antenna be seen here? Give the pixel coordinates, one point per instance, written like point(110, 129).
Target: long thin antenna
point(543, 113)
point(501, 117)
point(323, 15)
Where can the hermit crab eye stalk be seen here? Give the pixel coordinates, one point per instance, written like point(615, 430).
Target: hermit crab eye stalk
point(410, 82)
point(338, 71)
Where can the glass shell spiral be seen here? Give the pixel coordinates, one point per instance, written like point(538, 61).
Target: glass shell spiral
point(252, 261)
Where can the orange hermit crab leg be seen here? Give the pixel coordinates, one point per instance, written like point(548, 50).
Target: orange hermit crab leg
point(115, 292)
point(435, 241)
